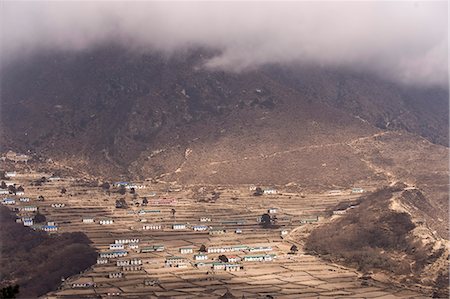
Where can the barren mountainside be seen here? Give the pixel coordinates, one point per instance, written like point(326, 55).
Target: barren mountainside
point(150, 115)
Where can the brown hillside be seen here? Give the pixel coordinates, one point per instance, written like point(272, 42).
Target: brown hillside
point(378, 236)
point(109, 111)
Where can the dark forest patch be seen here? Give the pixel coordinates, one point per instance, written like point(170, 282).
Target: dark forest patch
point(37, 261)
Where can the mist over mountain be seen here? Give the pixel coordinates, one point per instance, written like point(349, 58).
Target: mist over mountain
point(401, 41)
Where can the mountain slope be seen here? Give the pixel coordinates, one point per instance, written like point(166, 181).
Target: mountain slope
point(380, 234)
point(111, 113)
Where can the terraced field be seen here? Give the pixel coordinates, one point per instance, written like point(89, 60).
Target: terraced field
point(286, 276)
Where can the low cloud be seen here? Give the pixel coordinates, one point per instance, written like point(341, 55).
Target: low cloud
point(403, 41)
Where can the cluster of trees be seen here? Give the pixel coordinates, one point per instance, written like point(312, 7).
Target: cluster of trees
point(293, 249)
point(105, 186)
point(40, 181)
point(39, 218)
point(268, 221)
point(9, 292)
point(223, 258)
point(122, 190)
point(28, 254)
point(11, 188)
point(121, 204)
point(258, 191)
point(215, 196)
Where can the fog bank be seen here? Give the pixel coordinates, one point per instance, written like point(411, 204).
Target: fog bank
point(403, 41)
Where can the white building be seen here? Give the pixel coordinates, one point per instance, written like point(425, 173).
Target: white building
point(218, 266)
point(102, 261)
point(50, 228)
point(178, 226)
point(232, 267)
point(200, 257)
point(115, 275)
point(200, 227)
point(113, 254)
point(58, 205)
point(113, 294)
point(28, 222)
point(134, 186)
point(119, 184)
point(106, 221)
point(8, 201)
point(284, 233)
point(54, 178)
point(339, 212)
point(357, 190)
point(120, 263)
point(132, 268)
point(11, 174)
point(234, 259)
point(259, 258)
point(186, 250)
point(223, 249)
point(83, 285)
point(205, 219)
point(88, 220)
point(136, 262)
point(270, 191)
point(217, 231)
point(152, 227)
point(116, 246)
point(29, 208)
point(24, 199)
point(152, 248)
point(133, 245)
point(175, 260)
point(20, 193)
point(272, 210)
point(4, 191)
point(126, 241)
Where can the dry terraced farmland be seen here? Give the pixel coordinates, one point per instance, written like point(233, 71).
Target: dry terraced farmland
point(283, 275)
